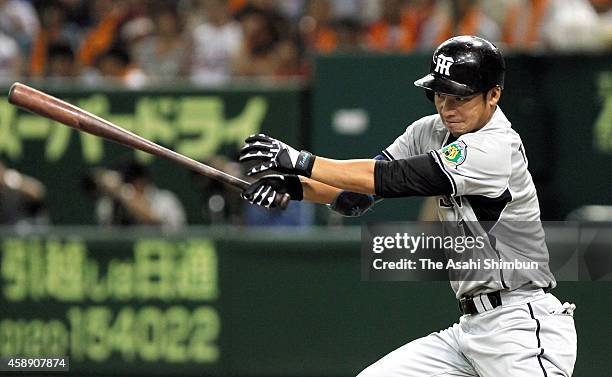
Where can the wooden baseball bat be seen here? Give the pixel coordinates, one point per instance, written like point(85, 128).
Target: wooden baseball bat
point(72, 116)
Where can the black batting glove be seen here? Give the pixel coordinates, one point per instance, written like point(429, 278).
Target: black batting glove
point(265, 190)
point(272, 154)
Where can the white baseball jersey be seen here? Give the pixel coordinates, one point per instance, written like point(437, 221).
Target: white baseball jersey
point(493, 194)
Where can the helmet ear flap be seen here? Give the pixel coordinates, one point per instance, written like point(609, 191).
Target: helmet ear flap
point(430, 94)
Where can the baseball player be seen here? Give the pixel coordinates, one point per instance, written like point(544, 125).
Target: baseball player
point(469, 157)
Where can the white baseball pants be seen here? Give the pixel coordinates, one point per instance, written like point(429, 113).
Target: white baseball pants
point(530, 335)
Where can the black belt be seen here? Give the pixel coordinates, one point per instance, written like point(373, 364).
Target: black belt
point(467, 304)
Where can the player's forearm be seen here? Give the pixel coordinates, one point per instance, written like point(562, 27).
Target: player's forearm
point(351, 175)
point(318, 192)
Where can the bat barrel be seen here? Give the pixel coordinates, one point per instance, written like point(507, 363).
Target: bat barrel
point(43, 104)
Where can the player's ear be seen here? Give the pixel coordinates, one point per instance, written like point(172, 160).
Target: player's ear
point(494, 95)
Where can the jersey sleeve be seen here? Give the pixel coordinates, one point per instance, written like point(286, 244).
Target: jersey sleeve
point(475, 165)
point(413, 176)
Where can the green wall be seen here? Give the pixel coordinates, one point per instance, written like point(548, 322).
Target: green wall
point(267, 303)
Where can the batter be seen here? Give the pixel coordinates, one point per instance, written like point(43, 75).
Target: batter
point(469, 157)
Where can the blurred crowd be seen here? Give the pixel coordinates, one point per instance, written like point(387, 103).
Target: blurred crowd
point(125, 194)
point(209, 42)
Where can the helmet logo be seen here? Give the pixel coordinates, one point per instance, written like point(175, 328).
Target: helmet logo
point(443, 64)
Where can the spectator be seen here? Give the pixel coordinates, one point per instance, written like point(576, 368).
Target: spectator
point(77, 15)
point(348, 9)
point(275, 9)
point(348, 35)
point(215, 44)
point(115, 65)
point(421, 11)
point(550, 25)
point(18, 19)
point(257, 56)
point(201, 40)
point(457, 17)
point(291, 9)
point(571, 25)
point(235, 6)
point(133, 32)
point(269, 6)
point(10, 59)
point(290, 59)
point(272, 9)
point(317, 29)
point(109, 16)
point(54, 32)
point(523, 23)
point(163, 56)
point(395, 30)
point(129, 197)
point(604, 11)
point(61, 62)
point(21, 199)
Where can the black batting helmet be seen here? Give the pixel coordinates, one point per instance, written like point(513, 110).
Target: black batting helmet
point(462, 66)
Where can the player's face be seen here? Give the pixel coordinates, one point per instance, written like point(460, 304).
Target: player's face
point(461, 115)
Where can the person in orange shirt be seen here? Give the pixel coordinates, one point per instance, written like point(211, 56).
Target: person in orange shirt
point(399, 26)
point(457, 17)
point(102, 36)
point(317, 29)
point(52, 33)
point(523, 23)
point(561, 25)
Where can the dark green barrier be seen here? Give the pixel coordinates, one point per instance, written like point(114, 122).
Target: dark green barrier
point(361, 103)
point(208, 302)
point(561, 106)
point(197, 123)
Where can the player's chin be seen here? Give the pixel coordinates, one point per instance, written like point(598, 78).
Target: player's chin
point(455, 128)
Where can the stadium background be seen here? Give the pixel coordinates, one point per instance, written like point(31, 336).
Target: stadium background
point(223, 296)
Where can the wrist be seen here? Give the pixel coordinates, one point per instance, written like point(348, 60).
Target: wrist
point(305, 162)
point(294, 187)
